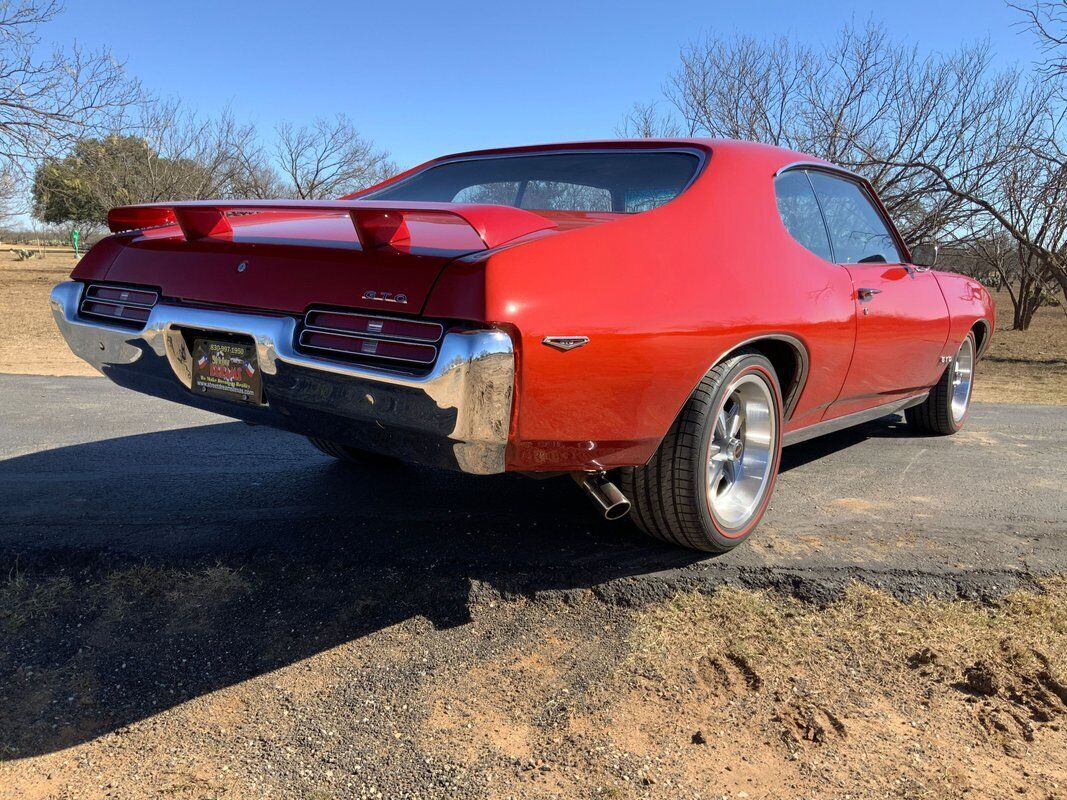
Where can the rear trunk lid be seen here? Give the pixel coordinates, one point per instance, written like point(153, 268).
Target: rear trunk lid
point(290, 255)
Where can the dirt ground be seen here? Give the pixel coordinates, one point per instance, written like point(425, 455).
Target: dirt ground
point(737, 695)
point(1022, 366)
point(1025, 366)
point(30, 344)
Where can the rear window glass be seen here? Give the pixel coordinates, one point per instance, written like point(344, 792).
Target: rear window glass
point(579, 181)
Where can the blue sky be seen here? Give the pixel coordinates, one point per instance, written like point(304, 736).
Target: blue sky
point(426, 78)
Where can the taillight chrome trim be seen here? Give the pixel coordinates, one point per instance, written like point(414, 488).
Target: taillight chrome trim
point(421, 335)
point(119, 288)
point(420, 322)
point(367, 338)
point(92, 299)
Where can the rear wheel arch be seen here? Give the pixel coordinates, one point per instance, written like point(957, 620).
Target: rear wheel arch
point(789, 357)
point(981, 330)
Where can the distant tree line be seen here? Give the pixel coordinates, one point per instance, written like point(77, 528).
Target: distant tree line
point(963, 154)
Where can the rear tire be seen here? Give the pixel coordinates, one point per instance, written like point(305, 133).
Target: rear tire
point(945, 410)
point(709, 482)
point(348, 454)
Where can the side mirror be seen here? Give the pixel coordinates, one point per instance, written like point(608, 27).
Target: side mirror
point(924, 255)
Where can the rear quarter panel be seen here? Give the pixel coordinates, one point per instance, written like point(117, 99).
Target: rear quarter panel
point(662, 296)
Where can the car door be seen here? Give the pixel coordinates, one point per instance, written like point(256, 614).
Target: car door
point(901, 315)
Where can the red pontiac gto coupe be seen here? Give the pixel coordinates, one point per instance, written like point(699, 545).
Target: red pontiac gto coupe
point(656, 318)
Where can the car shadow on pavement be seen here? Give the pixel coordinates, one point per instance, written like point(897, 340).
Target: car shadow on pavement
point(891, 426)
point(140, 572)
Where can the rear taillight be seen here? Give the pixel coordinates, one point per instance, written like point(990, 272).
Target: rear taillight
point(392, 327)
point(121, 304)
point(372, 339)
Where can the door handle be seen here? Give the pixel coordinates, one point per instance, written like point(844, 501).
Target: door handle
point(867, 294)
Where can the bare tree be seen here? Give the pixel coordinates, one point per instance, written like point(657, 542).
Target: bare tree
point(950, 143)
point(50, 101)
point(1016, 174)
point(329, 159)
point(1047, 20)
point(166, 152)
point(163, 152)
point(743, 88)
point(254, 176)
point(647, 121)
point(174, 153)
point(996, 259)
point(864, 102)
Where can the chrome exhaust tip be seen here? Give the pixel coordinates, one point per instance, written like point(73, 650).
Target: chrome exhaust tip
point(605, 494)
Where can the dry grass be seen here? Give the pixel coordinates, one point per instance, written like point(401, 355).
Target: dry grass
point(192, 598)
point(865, 625)
point(871, 696)
point(23, 601)
point(30, 343)
point(1025, 366)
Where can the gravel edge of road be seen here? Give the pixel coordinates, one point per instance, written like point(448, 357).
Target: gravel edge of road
point(816, 586)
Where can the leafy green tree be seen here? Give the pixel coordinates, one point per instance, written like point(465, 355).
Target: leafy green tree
point(61, 193)
point(117, 170)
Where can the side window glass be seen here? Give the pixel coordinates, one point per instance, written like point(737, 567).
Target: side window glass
point(800, 212)
point(857, 231)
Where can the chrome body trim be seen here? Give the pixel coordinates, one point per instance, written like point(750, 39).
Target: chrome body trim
point(361, 315)
point(868, 189)
point(366, 337)
point(790, 394)
point(457, 415)
point(986, 337)
point(848, 420)
point(823, 165)
point(565, 342)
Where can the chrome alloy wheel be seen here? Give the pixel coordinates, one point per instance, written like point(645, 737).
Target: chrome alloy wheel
point(962, 372)
point(741, 452)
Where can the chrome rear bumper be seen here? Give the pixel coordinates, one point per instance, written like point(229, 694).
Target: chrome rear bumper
point(458, 415)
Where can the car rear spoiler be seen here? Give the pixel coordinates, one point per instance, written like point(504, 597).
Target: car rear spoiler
point(377, 224)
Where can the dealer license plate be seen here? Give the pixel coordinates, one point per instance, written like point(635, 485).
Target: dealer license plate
point(227, 370)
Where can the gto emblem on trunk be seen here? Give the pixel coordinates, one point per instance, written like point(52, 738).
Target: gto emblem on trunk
point(385, 297)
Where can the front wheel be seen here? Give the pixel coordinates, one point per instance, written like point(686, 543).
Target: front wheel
point(709, 482)
point(945, 409)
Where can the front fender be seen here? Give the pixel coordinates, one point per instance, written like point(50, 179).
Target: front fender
point(969, 304)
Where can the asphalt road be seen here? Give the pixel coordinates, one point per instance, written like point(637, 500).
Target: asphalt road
point(89, 471)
